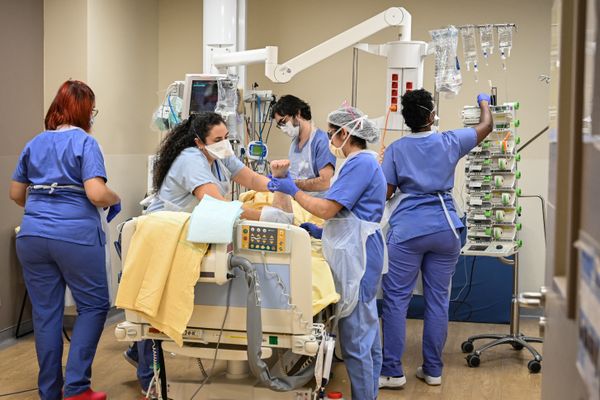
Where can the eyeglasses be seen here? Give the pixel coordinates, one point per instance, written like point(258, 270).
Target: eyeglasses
point(94, 112)
point(331, 132)
point(283, 121)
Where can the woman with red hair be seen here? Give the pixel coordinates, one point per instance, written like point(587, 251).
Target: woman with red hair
point(60, 180)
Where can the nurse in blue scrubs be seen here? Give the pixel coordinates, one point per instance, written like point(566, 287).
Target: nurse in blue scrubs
point(311, 163)
point(353, 244)
point(60, 179)
point(424, 231)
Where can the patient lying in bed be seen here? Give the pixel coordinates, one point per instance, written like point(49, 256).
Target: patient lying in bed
point(145, 242)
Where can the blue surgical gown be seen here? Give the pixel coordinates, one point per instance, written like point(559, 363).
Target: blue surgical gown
point(65, 157)
point(361, 188)
point(422, 165)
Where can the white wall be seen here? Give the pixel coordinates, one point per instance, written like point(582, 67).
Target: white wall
point(21, 118)
point(113, 46)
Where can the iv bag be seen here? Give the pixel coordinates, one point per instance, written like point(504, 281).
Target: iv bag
point(486, 38)
point(469, 46)
point(447, 72)
point(227, 104)
point(505, 40)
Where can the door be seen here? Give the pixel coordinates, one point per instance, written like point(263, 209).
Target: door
point(574, 190)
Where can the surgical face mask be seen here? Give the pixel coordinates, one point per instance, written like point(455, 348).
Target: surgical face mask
point(435, 117)
point(337, 151)
point(290, 130)
point(220, 150)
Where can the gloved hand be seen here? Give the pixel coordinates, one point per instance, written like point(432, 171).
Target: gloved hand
point(483, 97)
point(312, 229)
point(113, 211)
point(284, 185)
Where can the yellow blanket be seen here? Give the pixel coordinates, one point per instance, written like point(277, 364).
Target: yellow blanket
point(160, 272)
point(323, 287)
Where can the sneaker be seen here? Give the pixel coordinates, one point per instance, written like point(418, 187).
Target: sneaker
point(391, 382)
point(430, 380)
point(130, 359)
point(88, 395)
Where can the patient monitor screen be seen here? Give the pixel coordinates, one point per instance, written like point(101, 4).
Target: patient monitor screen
point(205, 95)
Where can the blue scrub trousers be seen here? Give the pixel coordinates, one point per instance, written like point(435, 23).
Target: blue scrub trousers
point(435, 255)
point(48, 267)
point(142, 353)
point(361, 348)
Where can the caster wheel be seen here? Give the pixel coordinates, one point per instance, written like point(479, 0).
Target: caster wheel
point(517, 346)
point(473, 360)
point(534, 366)
point(467, 347)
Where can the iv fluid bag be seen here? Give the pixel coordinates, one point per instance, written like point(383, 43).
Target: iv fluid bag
point(448, 78)
point(469, 46)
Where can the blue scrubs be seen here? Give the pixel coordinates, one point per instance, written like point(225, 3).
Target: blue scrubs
point(361, 188)
point(420, 238)
point(61, 243)
point(191, 169)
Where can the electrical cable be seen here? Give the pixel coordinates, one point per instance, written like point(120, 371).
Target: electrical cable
point(543, 203)
point(464, 300)
point(266, 117)
point(259, 119)
point(212, 369)
point(66, 335)
point(465, 285)
point(18, 392)
point(537, 135)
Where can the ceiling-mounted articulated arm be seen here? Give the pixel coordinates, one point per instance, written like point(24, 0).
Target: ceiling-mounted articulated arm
point(281, 73)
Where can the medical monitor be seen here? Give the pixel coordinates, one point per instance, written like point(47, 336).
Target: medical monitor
point(201, 94)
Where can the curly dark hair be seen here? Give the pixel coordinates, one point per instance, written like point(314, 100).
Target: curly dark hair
point(291, 105)
point(180, 138)
point(414, 116)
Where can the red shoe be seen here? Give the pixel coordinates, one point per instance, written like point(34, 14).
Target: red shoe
point(88, 395)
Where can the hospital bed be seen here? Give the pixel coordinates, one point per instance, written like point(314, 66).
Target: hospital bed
point(233, 325)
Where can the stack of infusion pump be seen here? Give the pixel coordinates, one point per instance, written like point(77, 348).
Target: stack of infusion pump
point(492, 186)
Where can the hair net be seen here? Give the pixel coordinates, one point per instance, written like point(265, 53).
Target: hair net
point(355, 122)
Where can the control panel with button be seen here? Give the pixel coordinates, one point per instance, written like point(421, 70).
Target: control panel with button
point(257, 236)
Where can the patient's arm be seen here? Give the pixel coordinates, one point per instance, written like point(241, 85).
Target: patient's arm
point(279, 169)
point(213, 191)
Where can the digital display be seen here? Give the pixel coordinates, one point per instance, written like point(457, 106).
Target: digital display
point(205, 95)
point(256, 151)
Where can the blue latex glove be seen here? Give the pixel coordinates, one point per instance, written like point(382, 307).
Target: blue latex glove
point(312, 229)
point(113, 211)
point(283, 185)
point(483, 97)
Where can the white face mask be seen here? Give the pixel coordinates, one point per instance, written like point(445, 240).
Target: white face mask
point(291, 130)
point(436, 119)
point(220, 150)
